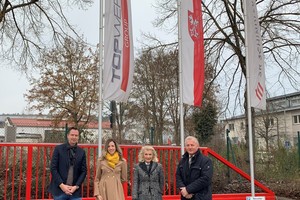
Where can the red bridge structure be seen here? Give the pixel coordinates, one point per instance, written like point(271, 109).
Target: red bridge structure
point(25, 171)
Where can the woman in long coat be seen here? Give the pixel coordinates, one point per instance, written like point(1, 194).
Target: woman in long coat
point(111, 172)
point(148, 177)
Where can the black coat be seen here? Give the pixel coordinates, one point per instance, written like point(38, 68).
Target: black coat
point(197, 178)
point(60, 163)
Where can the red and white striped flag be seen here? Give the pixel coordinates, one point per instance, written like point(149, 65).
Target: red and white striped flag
point(255, 57)
point(118, 51)
point(192, 52)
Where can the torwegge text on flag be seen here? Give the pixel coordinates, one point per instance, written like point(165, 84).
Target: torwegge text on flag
point(118, 51)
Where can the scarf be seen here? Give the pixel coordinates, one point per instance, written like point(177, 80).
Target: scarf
point(146, 168)
point(112, 160)
point(72, 152)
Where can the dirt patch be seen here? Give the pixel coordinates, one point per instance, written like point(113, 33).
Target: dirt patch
point(283, 198)
point(288, 189)
point(284, 190)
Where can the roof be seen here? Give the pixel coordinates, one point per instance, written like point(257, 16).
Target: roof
point(284, 96)
point(27, 122)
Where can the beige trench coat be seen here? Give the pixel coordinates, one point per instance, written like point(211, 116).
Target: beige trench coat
point(108, 181)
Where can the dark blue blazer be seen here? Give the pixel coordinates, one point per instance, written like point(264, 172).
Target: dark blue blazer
point(59, 169)
point(197, 178)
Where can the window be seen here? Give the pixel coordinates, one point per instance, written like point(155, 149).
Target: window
point(271, 122)
point(296, 119)
point(231, 127)
point(242, 125)
point(295, 102)
point(280, 104)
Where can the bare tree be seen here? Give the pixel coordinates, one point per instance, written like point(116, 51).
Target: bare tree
point(266, 128)
point(68, 83)
point(225, 43)
point(155, 91)
point(155, 94)
point(27, 27)
point(224, 35)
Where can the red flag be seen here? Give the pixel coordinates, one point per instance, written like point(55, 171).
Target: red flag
point(192, 52)
point(118, 51)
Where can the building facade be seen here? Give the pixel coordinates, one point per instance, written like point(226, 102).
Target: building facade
point(278, 125)
point(36, 129)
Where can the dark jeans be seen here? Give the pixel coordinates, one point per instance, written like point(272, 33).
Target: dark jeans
point(66, 197)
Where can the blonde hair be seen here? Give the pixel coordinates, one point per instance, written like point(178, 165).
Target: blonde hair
point(118, 149)
point(147, 148)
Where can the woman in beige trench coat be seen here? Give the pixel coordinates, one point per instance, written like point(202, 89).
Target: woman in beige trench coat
point(111, 172)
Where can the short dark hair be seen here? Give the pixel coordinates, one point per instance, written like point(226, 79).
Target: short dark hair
point(72, 128)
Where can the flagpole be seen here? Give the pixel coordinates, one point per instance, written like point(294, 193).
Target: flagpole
point(249, 106)
point(180, 78)
point(100, 77)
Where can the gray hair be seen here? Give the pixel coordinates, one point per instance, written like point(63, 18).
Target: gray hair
point(191, 138)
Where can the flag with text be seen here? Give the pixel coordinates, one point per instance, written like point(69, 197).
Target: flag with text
point(255, 57)
point(118, 51)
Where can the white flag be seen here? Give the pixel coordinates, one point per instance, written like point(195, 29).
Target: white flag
point(118, 51)
point(192, 52)
point(255, 58)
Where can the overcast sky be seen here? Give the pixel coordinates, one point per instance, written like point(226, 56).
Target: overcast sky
point(13, 85)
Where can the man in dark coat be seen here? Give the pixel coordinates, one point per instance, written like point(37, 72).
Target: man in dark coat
point(194, 173)
point(68, 169)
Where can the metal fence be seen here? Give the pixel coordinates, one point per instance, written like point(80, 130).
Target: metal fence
point(25, 171)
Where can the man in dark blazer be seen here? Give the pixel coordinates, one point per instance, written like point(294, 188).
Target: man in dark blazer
point(68, 169)
point(194, 173)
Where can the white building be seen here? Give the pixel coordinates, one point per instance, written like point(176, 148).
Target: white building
point(278, 125)
point(36, 129)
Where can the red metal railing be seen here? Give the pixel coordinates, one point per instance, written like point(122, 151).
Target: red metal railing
point(25, 173)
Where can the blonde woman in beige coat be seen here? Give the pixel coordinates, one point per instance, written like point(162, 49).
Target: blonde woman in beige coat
point(111, 172)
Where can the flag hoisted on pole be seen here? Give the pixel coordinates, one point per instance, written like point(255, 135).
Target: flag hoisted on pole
point(255, 77)
point(118, 51)
point(191, 57)
point(192, 50)
point(115, 81)
point(255, 57)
